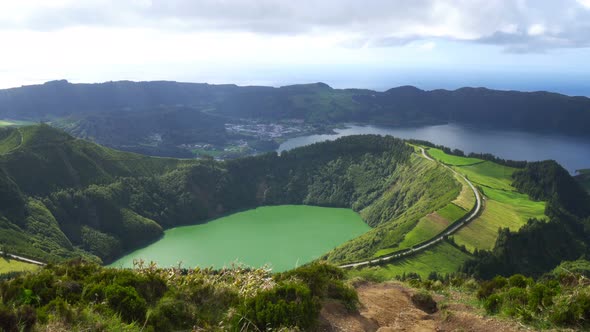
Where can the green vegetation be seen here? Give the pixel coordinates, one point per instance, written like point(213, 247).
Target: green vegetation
point(283, 228)
point(503, 209)
point(397, 211)
point(504, 206)
point(431, 225)
point(203, 152)
point(82, 296)
point(466, 198)
point(540, 245)
point(99, 202)
point(489, 174)
point(442, 258)
point(135, 106)
point(450, 159)
point(559, 299)
point(483, 231)
point(8, 265)
point(427, 228)
point(451, 212)
point(10, 140)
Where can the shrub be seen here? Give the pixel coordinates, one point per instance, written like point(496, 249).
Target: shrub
point(424, 302)
point(493, 303)
point(517, 280)
point(347, 295)
point(540, 297)
point(286, 305)
point(8, 320)
point(171, 314)
point(126, 302)
point(317, 276)
point(58, 308)
point(489, 287)
point(515, 300)
point(27, 317)
point(571, 310)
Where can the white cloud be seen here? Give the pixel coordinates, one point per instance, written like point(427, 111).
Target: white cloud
point(45, 38)
point(376, 22)
point(536, 30)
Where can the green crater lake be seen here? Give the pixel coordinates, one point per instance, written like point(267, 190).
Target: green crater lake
point(281, 236)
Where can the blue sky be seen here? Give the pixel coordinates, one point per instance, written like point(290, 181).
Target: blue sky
point(520, 44)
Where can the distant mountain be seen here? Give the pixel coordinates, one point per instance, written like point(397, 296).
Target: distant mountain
point(126, 114)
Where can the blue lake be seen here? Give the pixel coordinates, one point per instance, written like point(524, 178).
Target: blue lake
point(572, 153)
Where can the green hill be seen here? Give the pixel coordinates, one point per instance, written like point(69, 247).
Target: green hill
point(69, 197)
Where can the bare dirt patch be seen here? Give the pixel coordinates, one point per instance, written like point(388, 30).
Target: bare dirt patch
point(387, 307)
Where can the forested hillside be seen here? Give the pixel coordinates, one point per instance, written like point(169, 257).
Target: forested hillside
point(69, 197)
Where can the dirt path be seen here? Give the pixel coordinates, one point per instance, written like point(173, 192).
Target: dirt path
point(387, 307)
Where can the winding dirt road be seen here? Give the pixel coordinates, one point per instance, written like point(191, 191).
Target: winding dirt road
point(435, 239)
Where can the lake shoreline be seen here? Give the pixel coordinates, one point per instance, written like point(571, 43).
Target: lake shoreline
point(570, 151)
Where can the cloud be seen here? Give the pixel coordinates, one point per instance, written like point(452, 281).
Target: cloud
point(518, 25)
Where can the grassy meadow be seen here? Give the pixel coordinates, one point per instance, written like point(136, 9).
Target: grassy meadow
point(427, 228)
point(12, 265)
point(482, 232)
point(442, 258)
point(466, 198)
point(504, 207)
point(488, 174)
point(450, 159)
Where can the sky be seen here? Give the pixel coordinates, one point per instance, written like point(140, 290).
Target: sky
point(377, 44)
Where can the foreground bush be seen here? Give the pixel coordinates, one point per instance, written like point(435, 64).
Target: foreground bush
point(84, 296)
point(290, 304)
point(553, 301)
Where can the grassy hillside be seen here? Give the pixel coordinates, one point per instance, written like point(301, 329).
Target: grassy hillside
point(450, 159)
point(12, 265)
point(504, 207)
point(432, 183)
point(443, 258)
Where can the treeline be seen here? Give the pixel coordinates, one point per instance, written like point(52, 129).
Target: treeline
point(482, 156)
point(541, 245)
point(78, 296)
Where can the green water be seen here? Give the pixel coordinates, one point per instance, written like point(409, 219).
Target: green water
point(281, 236)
